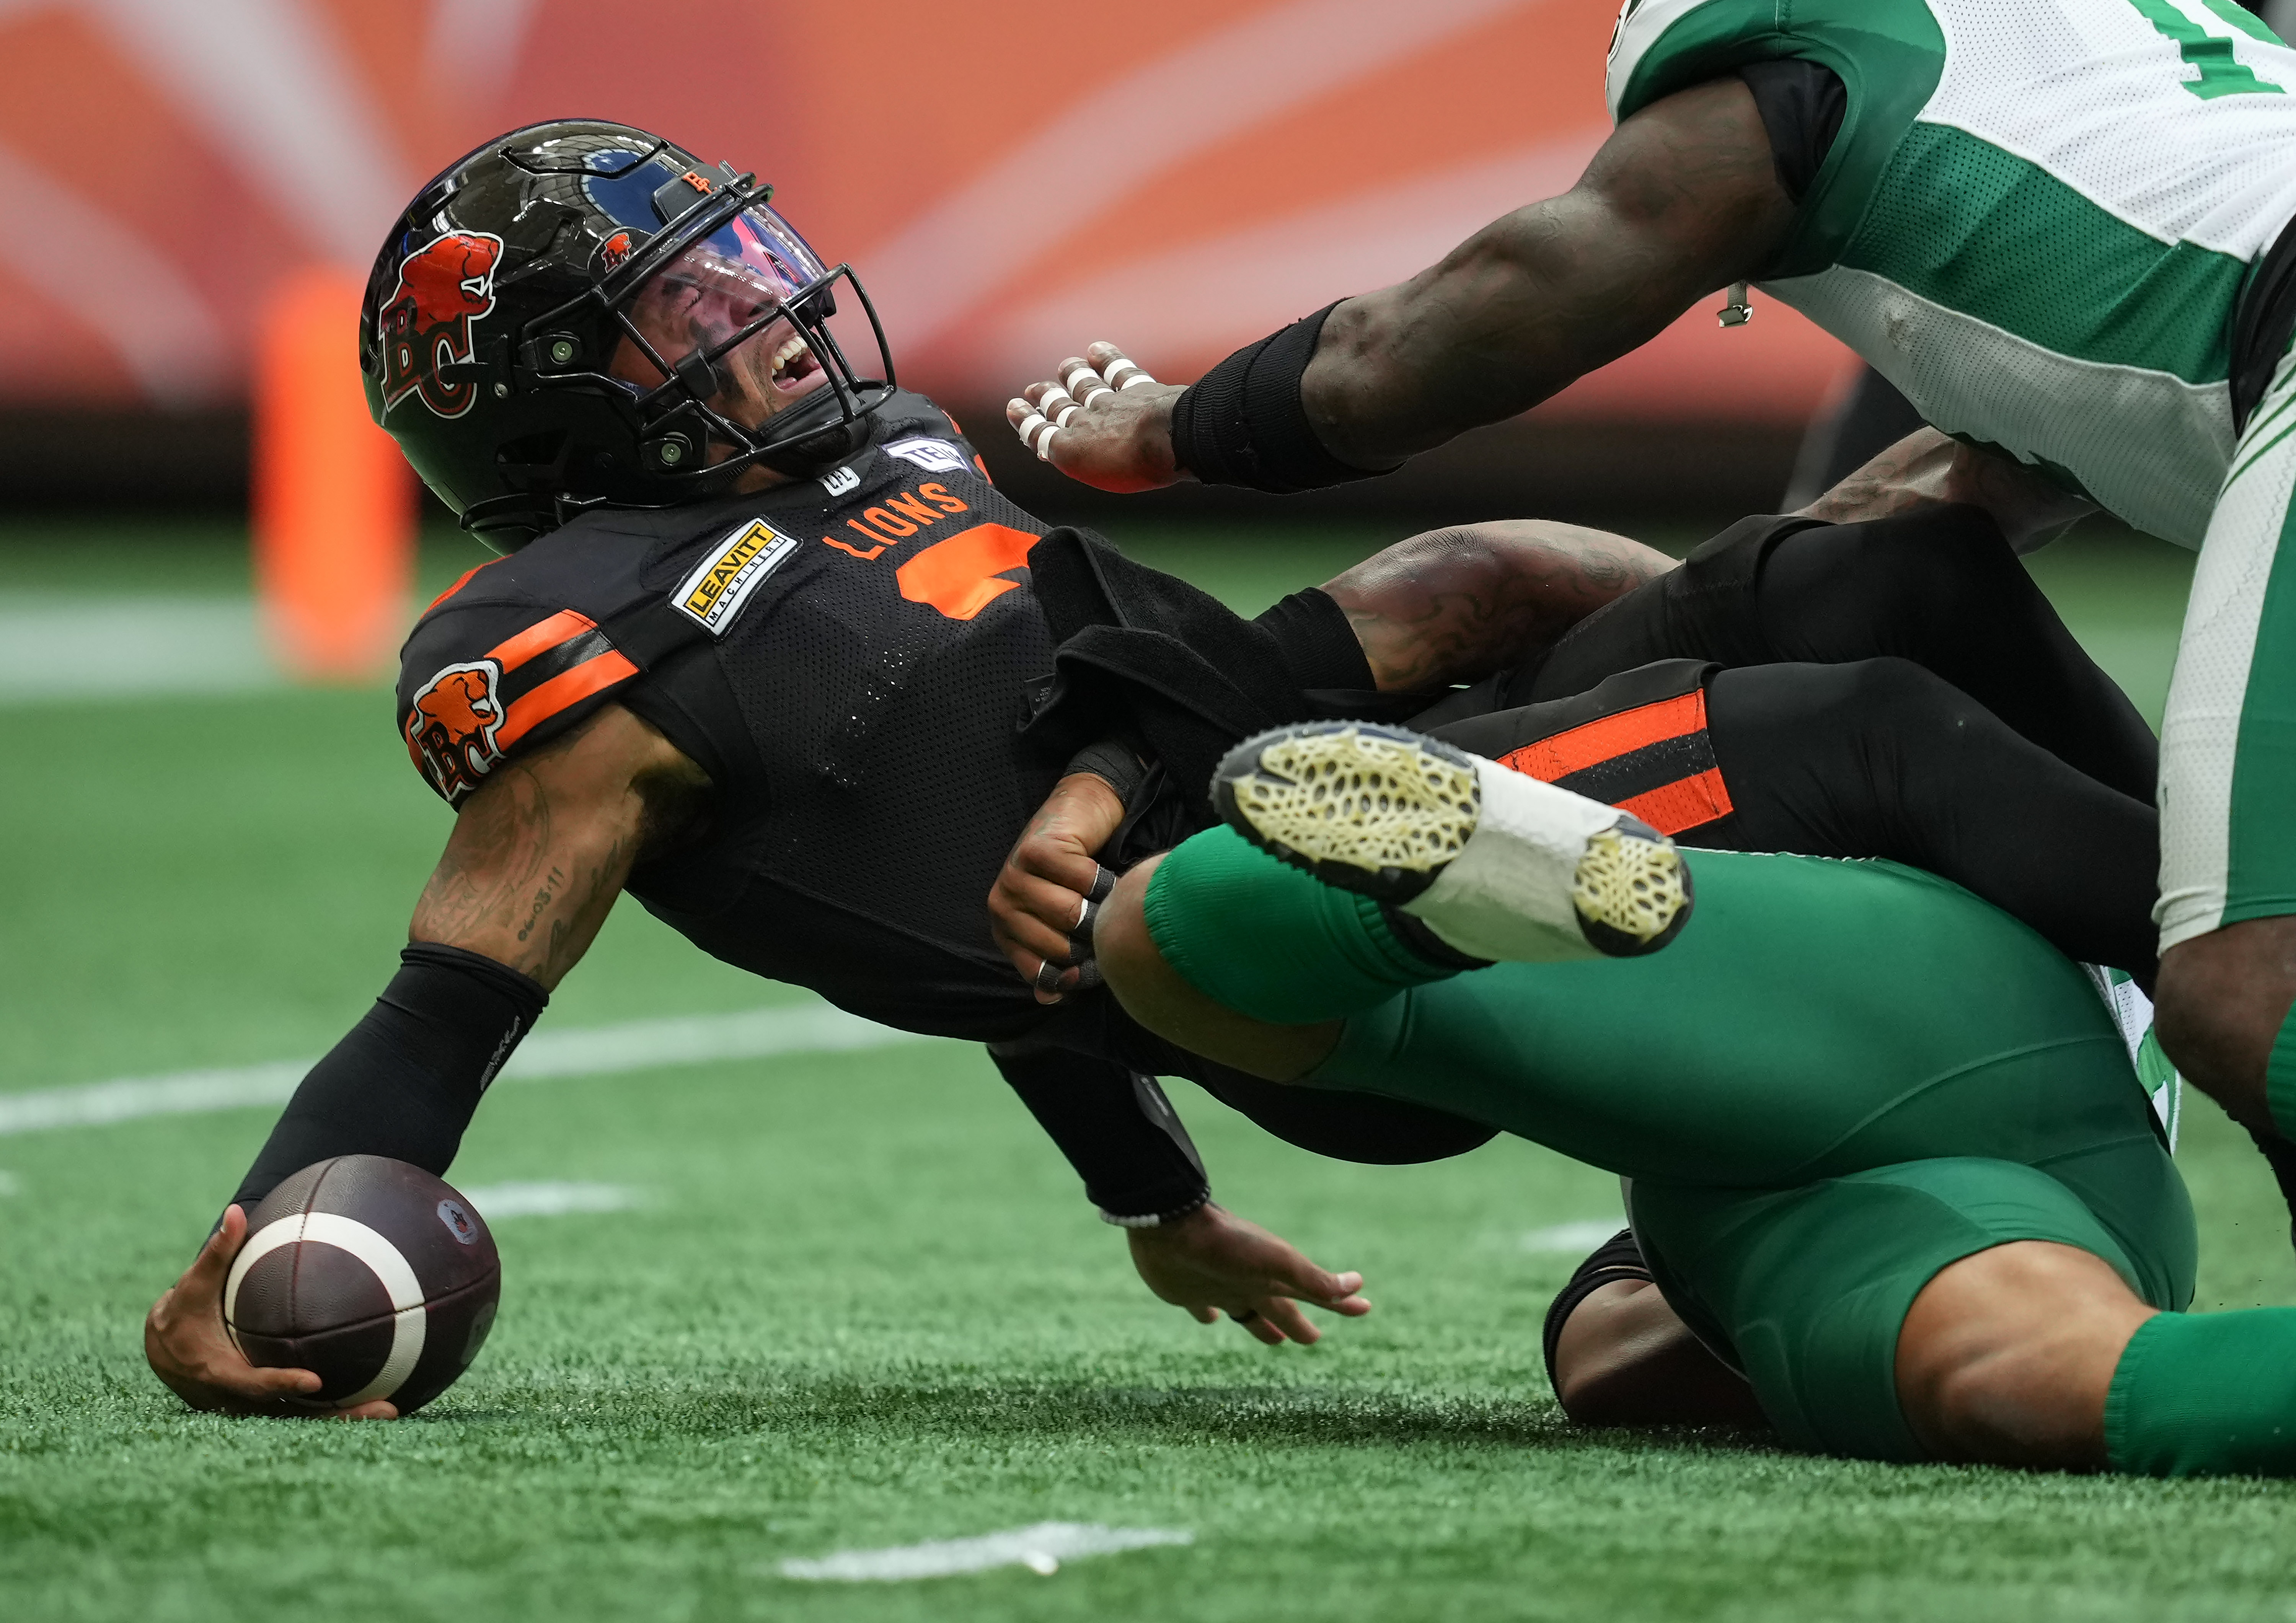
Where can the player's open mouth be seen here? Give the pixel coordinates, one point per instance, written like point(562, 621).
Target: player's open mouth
point(794, 364)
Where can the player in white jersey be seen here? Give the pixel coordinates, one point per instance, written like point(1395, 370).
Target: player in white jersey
point(2059, 226)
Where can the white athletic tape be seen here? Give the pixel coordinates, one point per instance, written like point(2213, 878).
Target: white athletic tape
point(1067, 412)
point(1041, 1548)
point(1138, 380)
point(1030, 424)
point(1044, 445)
point(1053, 399)
point(644, 1044)
point(1086, 372)
point(1117, 371)
point(1095, 394)
point(410, 1318)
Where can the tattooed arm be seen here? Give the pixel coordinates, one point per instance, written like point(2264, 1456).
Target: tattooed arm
point(1926, 469)
point(539, 853)
point(1455, 605)
point(535, 860)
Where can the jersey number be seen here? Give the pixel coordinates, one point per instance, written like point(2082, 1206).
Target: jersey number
point(2211, 54)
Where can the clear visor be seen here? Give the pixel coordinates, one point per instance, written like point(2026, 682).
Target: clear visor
point(721, 300)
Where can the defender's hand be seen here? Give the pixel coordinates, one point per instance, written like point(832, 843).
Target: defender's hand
point(1036, 906)
point(1105, 423)
point(1212, 1261)
point(188, 1348)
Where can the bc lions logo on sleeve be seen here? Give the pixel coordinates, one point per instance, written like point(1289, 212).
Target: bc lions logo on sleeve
point(454, 726)
point(443, 287)
point(470, 715)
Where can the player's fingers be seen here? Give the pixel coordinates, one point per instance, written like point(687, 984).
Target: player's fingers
point(1084, 381)
point(1033, 938)
point(1051, 980)
point(1056, 862)
point(1038, 920)
point(256, 1380)
point(377, 1410)
point(1034, 427)
point(1204, 1315)
point(1288, 1317)
point(1118, 369)
point(1259, 1327)
point(1310, 1284)
point(209, 1268)
point(1057, 404)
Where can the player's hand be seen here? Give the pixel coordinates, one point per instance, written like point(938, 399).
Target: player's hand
point(1212, 1262)
point(188, 1348)
point(1106, 423)
point(1037, 907)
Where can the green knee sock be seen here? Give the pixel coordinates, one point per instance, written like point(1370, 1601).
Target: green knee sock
point(2280, 1077)
point(2206, 1394)
point(1268, 941)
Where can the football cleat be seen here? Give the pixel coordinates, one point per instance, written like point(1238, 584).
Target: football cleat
point(1497, 865)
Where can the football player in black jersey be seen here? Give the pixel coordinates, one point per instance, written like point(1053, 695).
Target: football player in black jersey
point(761, 615)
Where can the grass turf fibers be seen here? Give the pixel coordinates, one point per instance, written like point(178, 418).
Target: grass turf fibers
point(865, 1305)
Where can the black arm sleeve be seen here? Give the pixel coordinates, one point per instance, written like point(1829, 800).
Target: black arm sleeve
point(1116, 1127)
point(406, 1081)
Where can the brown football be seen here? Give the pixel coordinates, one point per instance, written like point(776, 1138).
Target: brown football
point(369, 1273)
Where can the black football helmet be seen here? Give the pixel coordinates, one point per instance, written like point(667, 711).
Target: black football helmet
point(579, 313)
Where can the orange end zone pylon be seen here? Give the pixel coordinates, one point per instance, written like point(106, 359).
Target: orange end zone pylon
point(334, 512)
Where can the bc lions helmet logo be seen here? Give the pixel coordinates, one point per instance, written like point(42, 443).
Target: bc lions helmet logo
point(443, 287)
point(451, 727)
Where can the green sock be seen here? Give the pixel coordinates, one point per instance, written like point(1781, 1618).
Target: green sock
point(2206, 1395)
point(2280, 1077)
point(1268, 941)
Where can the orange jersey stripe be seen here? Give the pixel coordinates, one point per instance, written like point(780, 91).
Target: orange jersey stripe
point(1684, 803)
point(1583, 746)
point(593, 676)
point(540, 637)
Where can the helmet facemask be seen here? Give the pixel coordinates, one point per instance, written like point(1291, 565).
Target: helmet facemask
point(726, 343)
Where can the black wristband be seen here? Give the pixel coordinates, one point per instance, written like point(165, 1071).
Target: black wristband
point(407, 1078)
point(1241, 422)
point(1115, 763)
point(1616, 1259)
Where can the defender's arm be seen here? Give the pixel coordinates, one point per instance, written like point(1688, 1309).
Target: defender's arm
point(537, 858)
point(1682, 199)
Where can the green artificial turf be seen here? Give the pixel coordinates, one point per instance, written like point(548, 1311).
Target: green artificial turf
point(863, 1303)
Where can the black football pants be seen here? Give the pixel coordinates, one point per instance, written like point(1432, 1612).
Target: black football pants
point(1901, 689)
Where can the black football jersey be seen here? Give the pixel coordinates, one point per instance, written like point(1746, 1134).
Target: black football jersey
point(847, 658)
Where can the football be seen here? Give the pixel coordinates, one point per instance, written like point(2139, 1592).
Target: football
point(369, 1273)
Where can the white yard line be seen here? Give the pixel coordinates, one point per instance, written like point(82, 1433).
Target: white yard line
point(1583, 1235)
point(1041, 1548)
point(54, 646)
point(496, 1202)
point(640, 1045)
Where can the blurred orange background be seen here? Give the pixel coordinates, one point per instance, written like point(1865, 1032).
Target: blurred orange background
point(1011, 181)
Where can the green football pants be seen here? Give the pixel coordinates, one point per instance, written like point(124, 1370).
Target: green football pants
point(1840, 1079)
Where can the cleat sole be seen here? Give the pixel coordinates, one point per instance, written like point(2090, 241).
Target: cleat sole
point(1376, 810)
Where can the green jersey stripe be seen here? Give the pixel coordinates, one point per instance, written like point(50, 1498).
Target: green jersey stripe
point(1968, 225)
